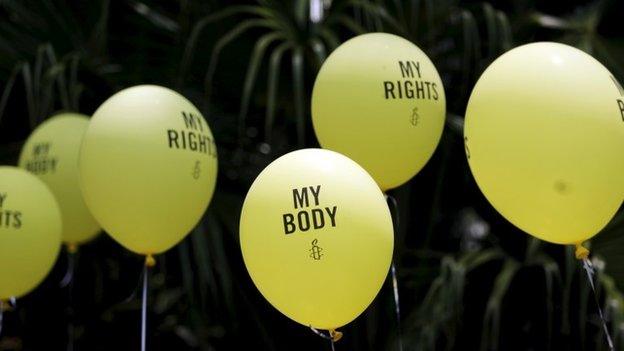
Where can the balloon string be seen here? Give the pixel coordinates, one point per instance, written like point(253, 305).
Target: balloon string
point(395, 287)
point(149, 262)
point(144, 309)
point(582, 254)
point(69, 274)
point(395, 282)
point(68, 282)
point(332, 336)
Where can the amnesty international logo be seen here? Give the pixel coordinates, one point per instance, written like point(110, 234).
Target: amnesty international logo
point(315, 251)
point(196, 170)
point(415, 117)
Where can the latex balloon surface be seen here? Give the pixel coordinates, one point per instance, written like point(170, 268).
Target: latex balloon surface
point(544, 135)
point(148, 167)
point(317, 237)
point(30, 231)
point(51, 152)
point(379, 100)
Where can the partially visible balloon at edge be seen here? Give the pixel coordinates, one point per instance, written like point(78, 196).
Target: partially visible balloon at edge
point(30, 232)
point(544, 137)
point(51, 152)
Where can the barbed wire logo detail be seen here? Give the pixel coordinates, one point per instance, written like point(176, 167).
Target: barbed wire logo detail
point(315, 251)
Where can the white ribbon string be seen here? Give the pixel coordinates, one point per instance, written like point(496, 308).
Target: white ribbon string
point(69, 275)
point(395, 282)
point(589, 269)
point(322, 335)
point(397, 305)
point(144, 309)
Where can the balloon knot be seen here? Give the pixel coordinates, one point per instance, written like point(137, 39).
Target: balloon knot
point(72, 248)
point(150, 261)
point(335, 335)
point(581, 252)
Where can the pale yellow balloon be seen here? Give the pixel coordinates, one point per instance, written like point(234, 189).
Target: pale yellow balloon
point(51, 152)
point(148, 167)
point(30, 232)
point(544, 137)
point(379, 100)
point(317, 237)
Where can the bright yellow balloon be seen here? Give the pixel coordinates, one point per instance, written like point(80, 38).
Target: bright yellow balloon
point(148, 167)
point(317, 237)
point(30, 232)
point(51, 152)
point(379, 100)
point(544, 135)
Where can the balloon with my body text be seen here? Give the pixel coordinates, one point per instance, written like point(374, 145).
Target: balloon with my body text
point(51, 152)
point(317, 237)
point(30, 232)
point(379, 100)
point(148, 167)
point(544, 137)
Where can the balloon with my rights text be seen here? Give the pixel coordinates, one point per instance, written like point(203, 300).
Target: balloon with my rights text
point(544, 137)
point(379, 100)
point(148, 167)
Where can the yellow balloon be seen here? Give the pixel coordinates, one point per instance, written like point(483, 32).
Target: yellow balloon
point(317, 237)
point(51, 152)
point(544, 137)
point(148, 167)
point(379, 100)
point(30, 232)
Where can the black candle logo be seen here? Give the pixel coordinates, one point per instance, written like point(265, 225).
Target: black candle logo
point(315, 251)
